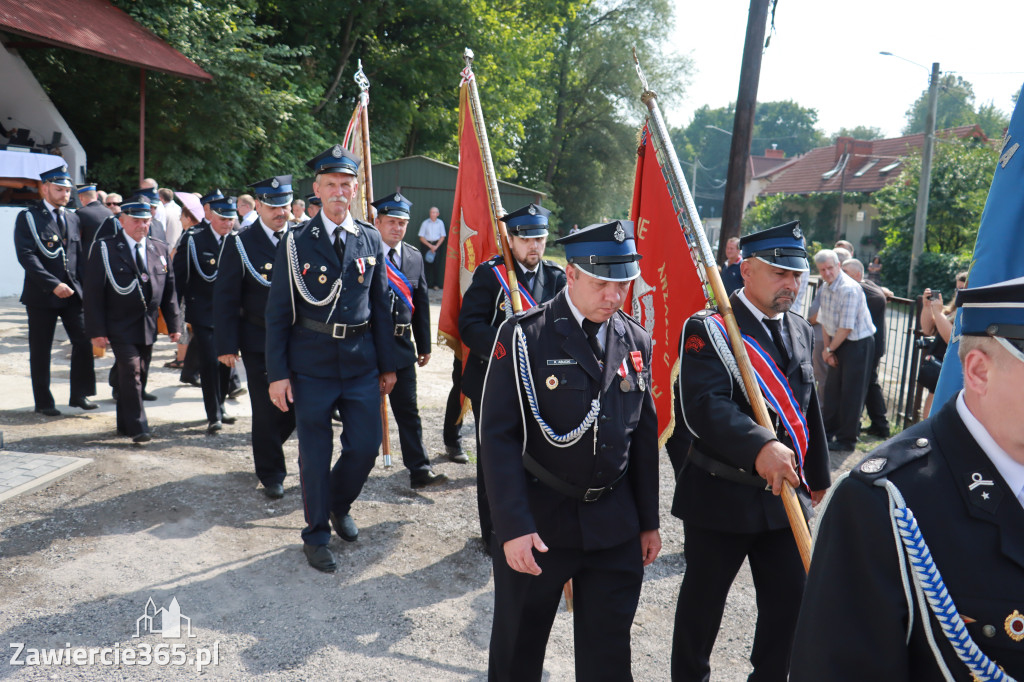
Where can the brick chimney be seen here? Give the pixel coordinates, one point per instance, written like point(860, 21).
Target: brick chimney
point(853, 146)
point(774, 153)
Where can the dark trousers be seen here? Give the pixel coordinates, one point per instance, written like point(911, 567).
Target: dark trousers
point(606, 590)
point(213, 374)
point(326, 488)
point(190, 370)
point(270, 426)
point(452, 430)
point(845, 389)
point(407, 417)
point(132, 362)
point(42, 323)
point(483, 507)
point(712, 561)
point(434, 272)
point(875, 400)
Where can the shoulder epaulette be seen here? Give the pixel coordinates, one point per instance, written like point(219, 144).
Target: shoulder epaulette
point(527, 314)
point(553, 264)
point(701, 314)
point(361, 223)
point(412, 247)
point(158, 240)
point(891, 455)
point(632, 319)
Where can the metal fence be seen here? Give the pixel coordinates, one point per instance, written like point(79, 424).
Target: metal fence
point(897, 370)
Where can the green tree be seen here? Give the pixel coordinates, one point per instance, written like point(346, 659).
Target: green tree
point(961, 176)
point(955, 106)
point(858, 133)
point(993, 122)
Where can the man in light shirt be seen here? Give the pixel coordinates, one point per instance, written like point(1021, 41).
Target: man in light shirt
point(432, 237)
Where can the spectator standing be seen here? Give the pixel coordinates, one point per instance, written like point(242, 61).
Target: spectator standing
point(312, 206)
point(113, 202)
point(876, 297)
point(247, 214)
point(432, 236)
point(298, 213)
point(173, 226)
point(731, 277)
point(849, 338)
point(875, 270)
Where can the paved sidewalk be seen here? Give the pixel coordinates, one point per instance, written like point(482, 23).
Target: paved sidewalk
point(22, 472)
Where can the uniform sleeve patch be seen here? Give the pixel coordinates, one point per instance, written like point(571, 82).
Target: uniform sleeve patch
point(694, 344)
point(499, 351)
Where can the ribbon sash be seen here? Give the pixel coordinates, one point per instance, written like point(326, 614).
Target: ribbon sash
point(502, 275)
point(778, 393)
point(399, 284)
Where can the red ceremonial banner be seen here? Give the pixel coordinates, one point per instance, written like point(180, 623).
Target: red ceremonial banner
point(669, 289)
point(471, 234)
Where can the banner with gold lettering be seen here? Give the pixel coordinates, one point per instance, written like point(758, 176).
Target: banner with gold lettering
point(669, 289)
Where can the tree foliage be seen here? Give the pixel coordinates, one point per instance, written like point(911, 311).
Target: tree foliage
point(557, 86)
point(858, 133)
point(955, 107)
point(960, 179)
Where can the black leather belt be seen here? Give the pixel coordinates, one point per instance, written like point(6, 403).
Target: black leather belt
point(568, 489)
point(337, 331)
point(401, 329)
point(723, 470)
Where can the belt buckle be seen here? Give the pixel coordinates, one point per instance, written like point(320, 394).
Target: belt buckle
point(593, 494)
point(343, 327)
point(402, 328)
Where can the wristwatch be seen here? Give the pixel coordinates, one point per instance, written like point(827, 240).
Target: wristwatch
point(828, 350)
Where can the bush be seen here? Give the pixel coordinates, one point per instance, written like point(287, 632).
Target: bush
point(934, 271)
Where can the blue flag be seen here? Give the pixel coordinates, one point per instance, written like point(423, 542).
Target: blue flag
point(997, 252)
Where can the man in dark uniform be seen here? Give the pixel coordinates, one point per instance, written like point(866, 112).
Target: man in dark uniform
point(484, 307)
point(239, 303)
point(727, 491)
point(48, 245)
point(128, 282)
point(330, 342)
point(960, 477)
point(312, 205)
point(410, 312)
point(195, 271)
point(91, 214)
point(570, 456)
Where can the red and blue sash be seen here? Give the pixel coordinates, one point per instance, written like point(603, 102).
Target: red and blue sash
point(399, 284)
point(502, 275)
point(778, 393)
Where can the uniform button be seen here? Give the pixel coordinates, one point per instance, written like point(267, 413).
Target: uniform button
point(989, 631)
point(604, 446)
point(921, 442)
point(598, 473)
point(604, 417)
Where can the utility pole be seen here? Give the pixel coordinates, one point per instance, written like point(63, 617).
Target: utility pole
point(743, 124)
point(921, 216)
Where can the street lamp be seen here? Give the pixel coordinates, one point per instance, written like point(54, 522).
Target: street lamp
point(921, 216)
point(721, 130)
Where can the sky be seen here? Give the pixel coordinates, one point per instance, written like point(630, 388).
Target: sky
point(824, 55)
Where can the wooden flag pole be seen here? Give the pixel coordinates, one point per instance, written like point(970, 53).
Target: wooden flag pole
point(690, 222)
point(364, 128)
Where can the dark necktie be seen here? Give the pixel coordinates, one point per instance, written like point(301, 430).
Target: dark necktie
point(591, 328)
point(339, 245)
point(141, 264)
point(277, 237)
point(528, 278)
point(393, 255)
point(61, 225)
point(775, 327)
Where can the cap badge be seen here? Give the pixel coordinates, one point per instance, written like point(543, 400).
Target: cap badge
point(63, 169)
point(797, 233)
point(551, 382)
point(873, 465)
point(531, 210)
point(620, 234)
point(274, 183)
point(336, 152)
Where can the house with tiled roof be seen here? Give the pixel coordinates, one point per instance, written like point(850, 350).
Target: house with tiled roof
point(851, 167)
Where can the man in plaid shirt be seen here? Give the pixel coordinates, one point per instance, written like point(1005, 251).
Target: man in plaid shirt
point(848, 334)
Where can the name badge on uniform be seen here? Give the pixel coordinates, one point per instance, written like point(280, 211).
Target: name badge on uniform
point(561, 361)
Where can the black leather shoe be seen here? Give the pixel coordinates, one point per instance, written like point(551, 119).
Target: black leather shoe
point(345, 527)
point(878, 430)
point(143, 437)
point(148, 397)
point(274, 491)
point(336, 415)
point(241, 390)
point(194, 381)
point(83, 403)
point(227, 418)
point(114, 394)
point(320, 557)
point(48, 411)
point(214, 427)
point(425, 477)
point(455, 454)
